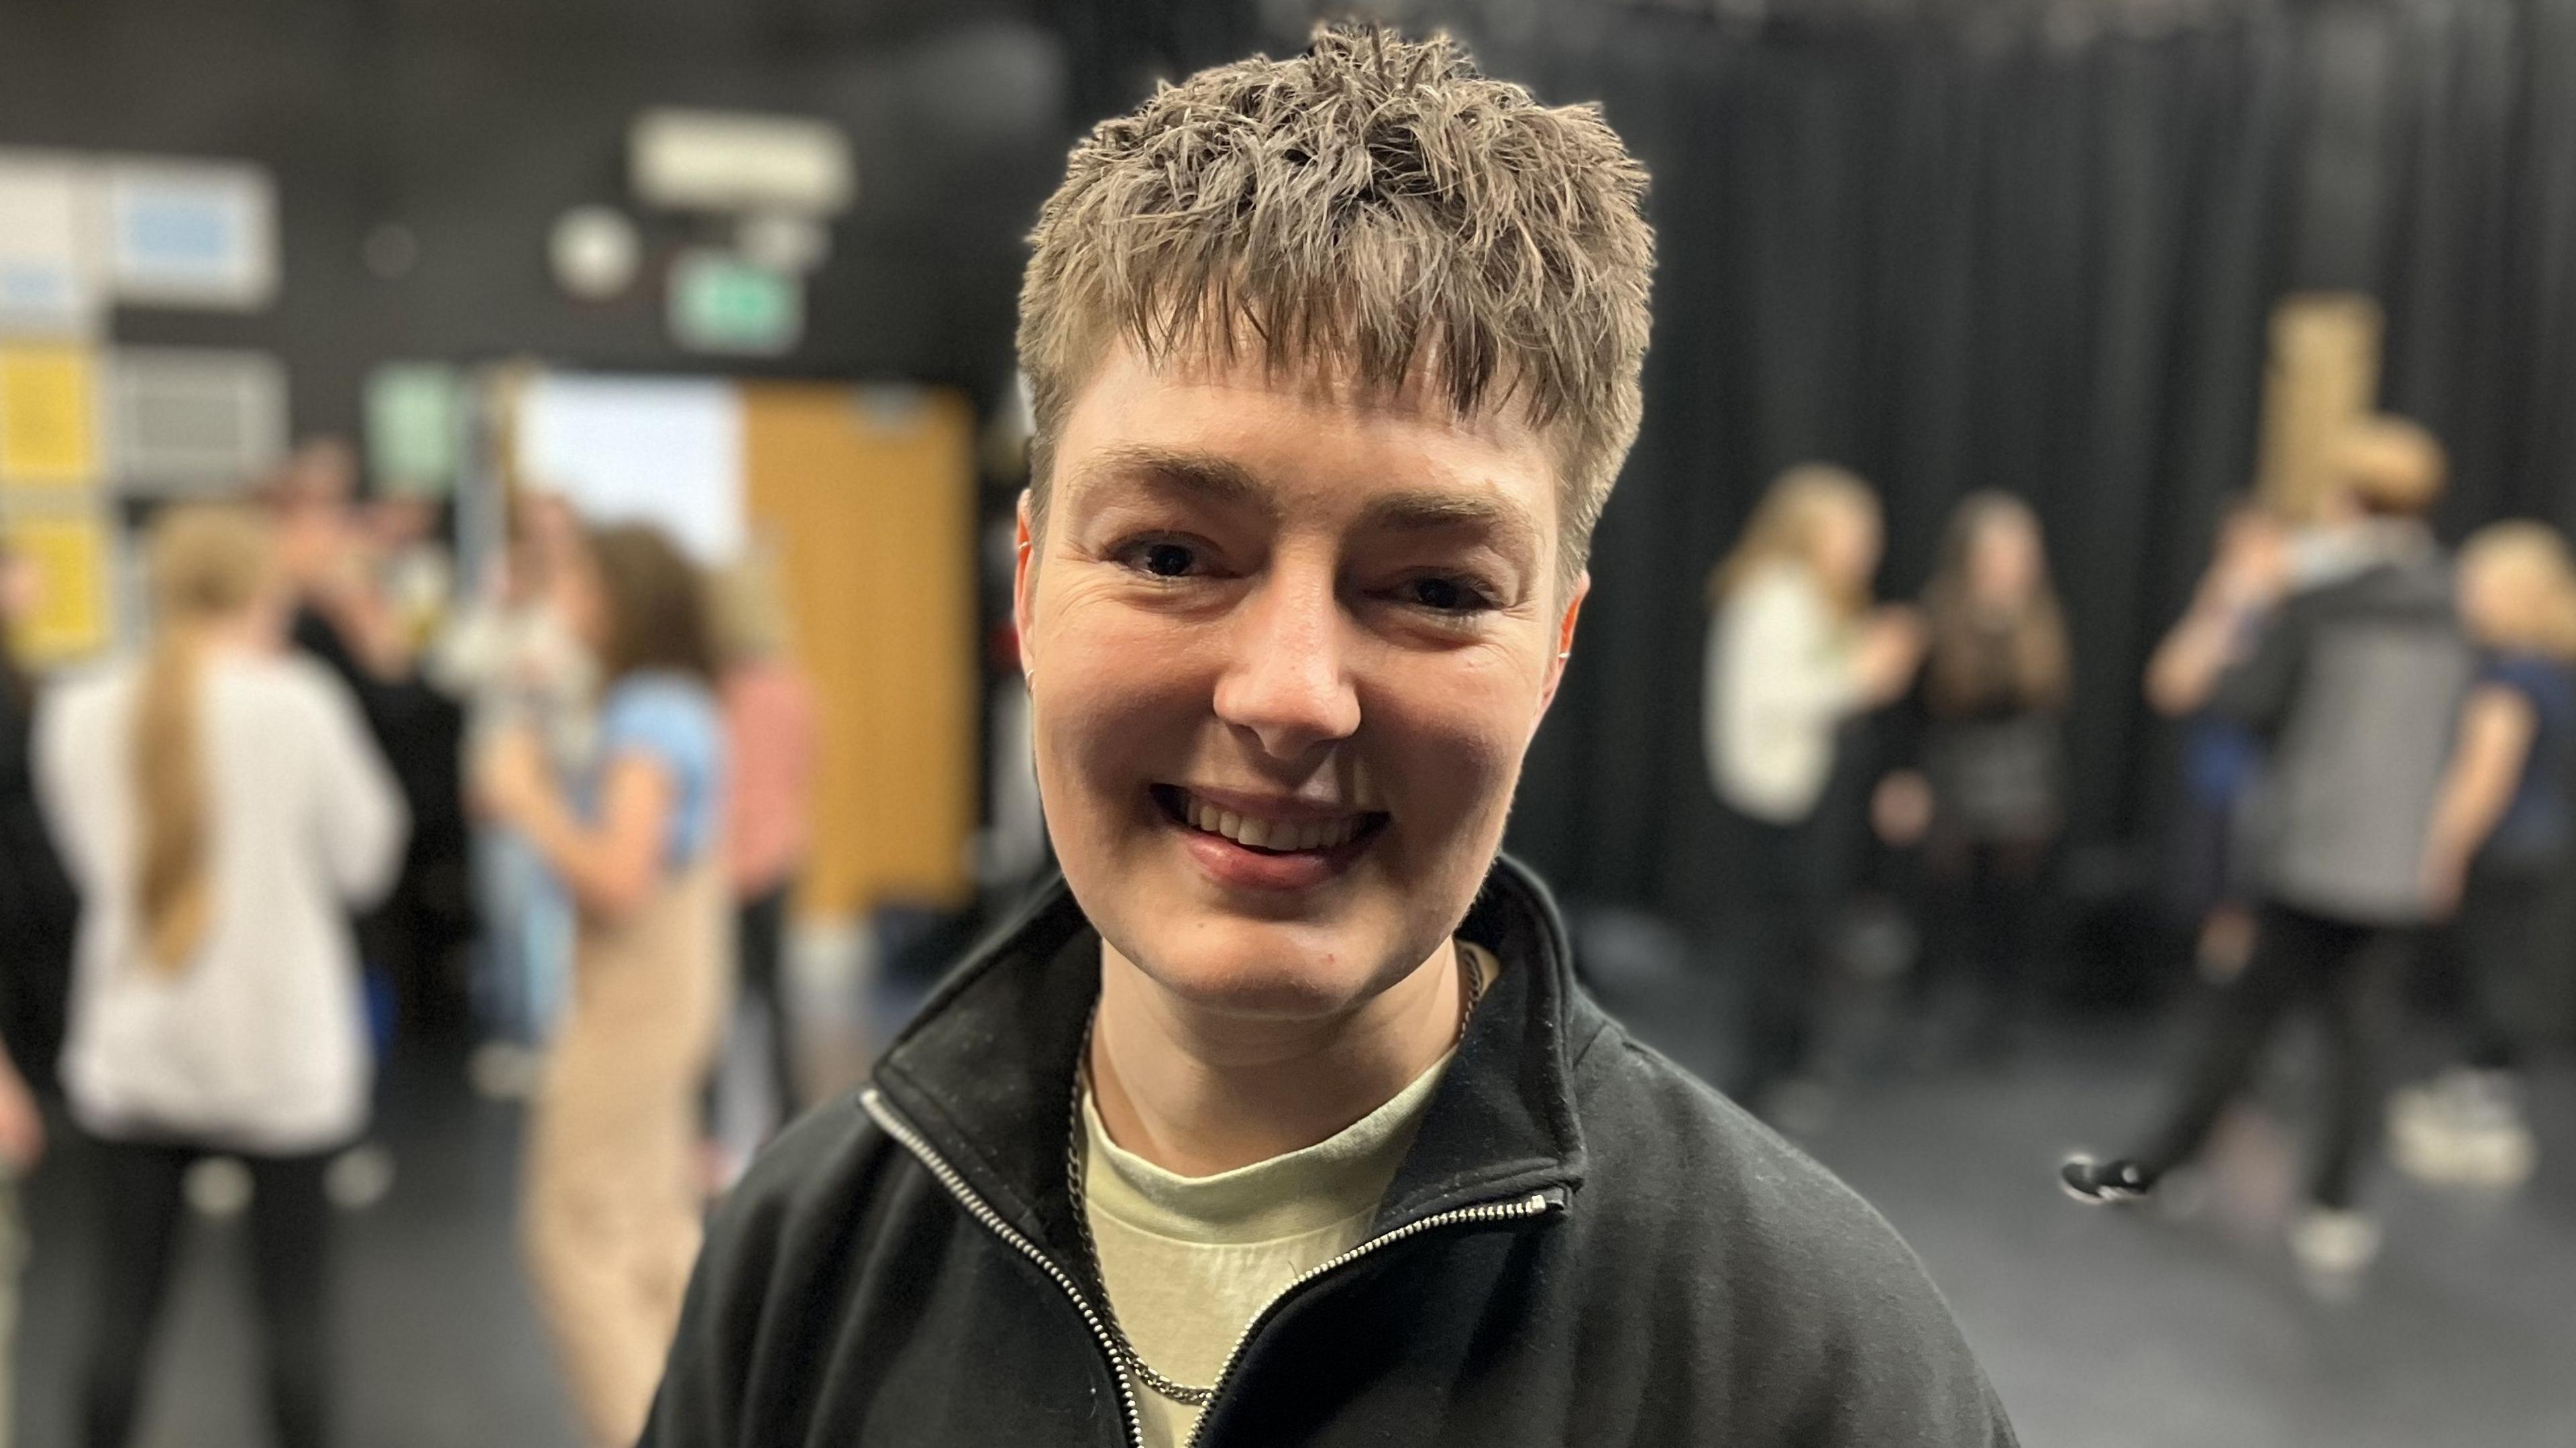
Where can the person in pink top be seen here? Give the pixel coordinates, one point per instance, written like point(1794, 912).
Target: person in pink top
point(770, 725)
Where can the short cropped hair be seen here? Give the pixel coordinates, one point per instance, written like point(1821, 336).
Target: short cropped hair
point(1374, 207)
point(2390, 465)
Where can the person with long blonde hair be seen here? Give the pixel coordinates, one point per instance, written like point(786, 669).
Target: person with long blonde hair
point(1795, 653)
point(221, 811)
point(2501, 834)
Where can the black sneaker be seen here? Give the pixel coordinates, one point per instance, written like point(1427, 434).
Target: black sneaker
point(2102, 1183)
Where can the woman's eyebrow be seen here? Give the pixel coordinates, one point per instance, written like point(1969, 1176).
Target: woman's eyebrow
point(1206, 477)
point(1503, 521)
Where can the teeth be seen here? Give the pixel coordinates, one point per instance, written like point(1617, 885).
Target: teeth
point(1261, 834)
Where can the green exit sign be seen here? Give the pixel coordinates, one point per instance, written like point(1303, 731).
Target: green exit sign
point(722, 303)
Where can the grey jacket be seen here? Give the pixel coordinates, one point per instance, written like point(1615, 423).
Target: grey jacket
point(2356, 687)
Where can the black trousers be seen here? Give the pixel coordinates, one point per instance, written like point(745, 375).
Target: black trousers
point(760, 938)
point(2342, 969)
point(2498, 935)
point(1980, 908)
point(1789, 888)
point(140, 1187)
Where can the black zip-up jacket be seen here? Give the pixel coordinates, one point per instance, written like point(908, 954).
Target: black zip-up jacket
point(1584, 1245)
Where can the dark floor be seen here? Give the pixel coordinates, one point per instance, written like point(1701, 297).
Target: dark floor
point(440, 1345)
point(2101, 1329)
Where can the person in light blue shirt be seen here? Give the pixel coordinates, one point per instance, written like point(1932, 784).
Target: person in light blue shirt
point(611, 1196)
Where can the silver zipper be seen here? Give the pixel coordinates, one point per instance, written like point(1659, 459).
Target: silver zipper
point(1534, 1205)
point(976, 1207)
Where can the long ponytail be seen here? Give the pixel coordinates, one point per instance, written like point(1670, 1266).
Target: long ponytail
point(209, 565)
point(170, 787)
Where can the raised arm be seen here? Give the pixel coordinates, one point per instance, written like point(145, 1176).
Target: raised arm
point(612, 866)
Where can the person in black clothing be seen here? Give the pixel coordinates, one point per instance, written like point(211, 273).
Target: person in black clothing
point(1983, 790)
point(38, 909)
point(2500, 838)
point(1280, 1118)
point(38, 914)
point(415, 936)
point(2356, 687)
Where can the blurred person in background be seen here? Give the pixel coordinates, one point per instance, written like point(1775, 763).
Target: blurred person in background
point(1984, 796)
point(2500, 839)
point(1795, 655)
point(334, 559)
point(22, 1145)
point(2222, 757)
point(1281, 1117)
point(510, 655)
point(2356, 687)
point(221, 811)
point(328, 556)
point(611, 1200)
point(770, 736)
point(37, 912)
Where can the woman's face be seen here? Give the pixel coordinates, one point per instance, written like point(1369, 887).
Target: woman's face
point(573, 587)
point(2495, 600)
point(1848, 542)
point(1285, 654)
point(18, 588)
point(2004, 560)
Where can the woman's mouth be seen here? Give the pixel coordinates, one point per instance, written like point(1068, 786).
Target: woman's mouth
point(1273, 844)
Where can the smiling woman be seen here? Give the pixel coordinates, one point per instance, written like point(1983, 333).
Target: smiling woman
point(1281, 1117)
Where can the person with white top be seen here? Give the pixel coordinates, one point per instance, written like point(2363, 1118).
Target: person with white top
point(1794, 653)
point(221, 811)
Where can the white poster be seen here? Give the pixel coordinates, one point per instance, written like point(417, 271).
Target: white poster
point(667, 451)
point(48, 246)
point(188, 419)
point(191, 234)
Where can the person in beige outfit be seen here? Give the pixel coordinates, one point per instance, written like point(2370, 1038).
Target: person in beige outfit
point(610, 1215)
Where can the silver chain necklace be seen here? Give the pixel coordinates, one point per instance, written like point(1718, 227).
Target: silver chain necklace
point(1471, 989)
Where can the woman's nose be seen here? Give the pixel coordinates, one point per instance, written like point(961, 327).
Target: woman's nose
point(1286, 681)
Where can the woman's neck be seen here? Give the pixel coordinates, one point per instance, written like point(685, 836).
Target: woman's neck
point(1198, 1092)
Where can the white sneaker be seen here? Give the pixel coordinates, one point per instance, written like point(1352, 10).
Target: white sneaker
point(503, 1071)
point(2464, 1129)
point(358, 1178)
point(2335, 1248)
point(2423, 1134)
point(218, 1187)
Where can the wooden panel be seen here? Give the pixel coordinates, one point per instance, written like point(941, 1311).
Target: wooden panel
point(2323, 376)
point(867, 496)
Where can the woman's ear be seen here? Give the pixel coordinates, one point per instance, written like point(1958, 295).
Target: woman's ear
point(1564, 644)
point(1024, 573)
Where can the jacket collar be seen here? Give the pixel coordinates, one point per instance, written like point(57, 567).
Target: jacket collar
point(985, 1071)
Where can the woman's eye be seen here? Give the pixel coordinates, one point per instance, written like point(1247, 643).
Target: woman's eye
point(1165, 560)
point(1446, 595)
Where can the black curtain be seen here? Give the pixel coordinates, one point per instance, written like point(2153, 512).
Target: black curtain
point(2040, 256)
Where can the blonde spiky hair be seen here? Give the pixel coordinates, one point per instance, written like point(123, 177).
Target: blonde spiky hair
point(1375, 207)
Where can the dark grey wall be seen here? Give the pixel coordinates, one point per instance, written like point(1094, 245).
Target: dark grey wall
point(474, 123)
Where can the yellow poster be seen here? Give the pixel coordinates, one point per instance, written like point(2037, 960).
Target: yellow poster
point(48, 416)
point(69, 555)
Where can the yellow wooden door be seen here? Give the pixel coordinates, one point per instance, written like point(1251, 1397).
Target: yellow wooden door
point(866, 497)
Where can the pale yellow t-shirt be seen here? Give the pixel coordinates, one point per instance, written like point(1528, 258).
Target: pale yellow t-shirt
point(1190, 1261)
